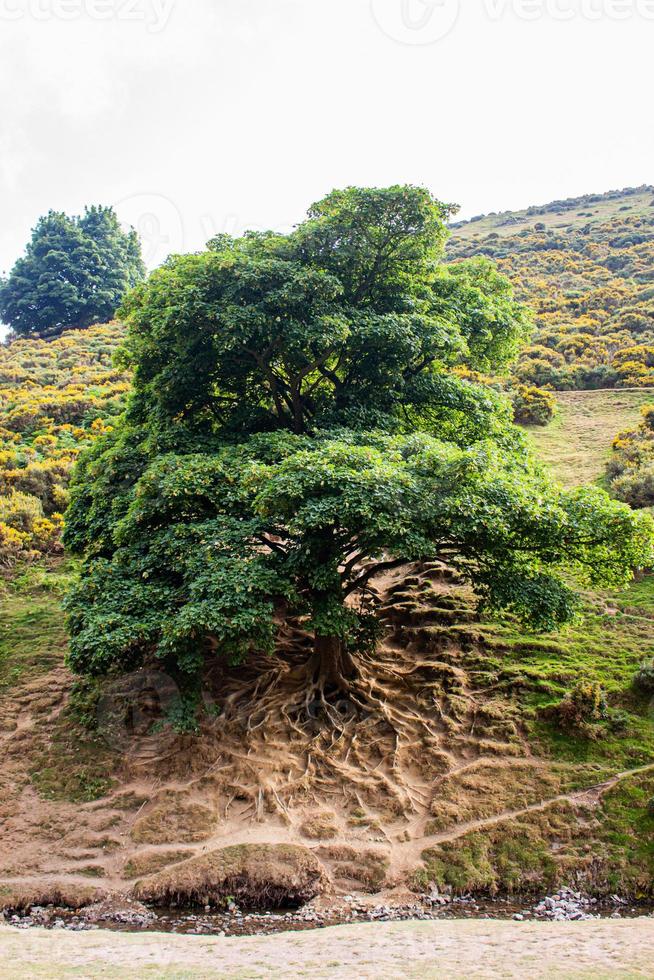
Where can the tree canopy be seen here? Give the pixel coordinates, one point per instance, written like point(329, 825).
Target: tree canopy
point(299, 424)
point(75, 272)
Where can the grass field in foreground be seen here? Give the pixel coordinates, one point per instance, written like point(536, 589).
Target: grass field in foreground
point(405, 950)
point(577, 443)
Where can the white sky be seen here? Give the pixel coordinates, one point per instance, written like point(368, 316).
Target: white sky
point(201, 116)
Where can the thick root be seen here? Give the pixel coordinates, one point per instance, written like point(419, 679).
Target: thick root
point(378, 732)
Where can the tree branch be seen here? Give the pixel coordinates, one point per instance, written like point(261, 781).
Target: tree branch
point(382, 566)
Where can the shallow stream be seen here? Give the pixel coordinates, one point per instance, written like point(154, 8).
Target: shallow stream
point(213, 922)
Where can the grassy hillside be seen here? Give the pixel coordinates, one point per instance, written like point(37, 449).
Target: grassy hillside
point(32, 634)
point(499, 760)
point(586, 267)
point(572, 214)
point(577, 443)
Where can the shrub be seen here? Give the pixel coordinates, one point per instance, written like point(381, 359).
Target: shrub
point(46, 533)
point(585, 705)
point(12, 545)
point(644, 678)
point(45, 482)
point(635, 486)
point(20, 511)
point(532, 406)
point(631, 468)
point(24, 529)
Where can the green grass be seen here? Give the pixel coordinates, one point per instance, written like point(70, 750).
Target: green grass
point(576, 445)
point(611, 848)
point(627, 832)
point(605, 646)
point(609, 851)
point(67, 762)
point(32, 629)
point(616, 632)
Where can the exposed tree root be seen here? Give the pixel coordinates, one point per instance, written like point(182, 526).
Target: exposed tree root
point(377, 735)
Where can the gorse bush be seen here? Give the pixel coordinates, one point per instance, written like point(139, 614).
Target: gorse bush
point(531, 405)
point(584, 712)
point(13, 545)
point(631, 469)
point(584, 705)
point(20, 510)
point(24, 529)
point(298, 424)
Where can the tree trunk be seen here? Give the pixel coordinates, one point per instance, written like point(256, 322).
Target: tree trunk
point(335, 663)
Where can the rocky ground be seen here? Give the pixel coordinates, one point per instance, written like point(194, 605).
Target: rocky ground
point(398, 950)
point(132, 916)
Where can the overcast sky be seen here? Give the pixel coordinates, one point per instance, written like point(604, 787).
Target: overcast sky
point(200, 116)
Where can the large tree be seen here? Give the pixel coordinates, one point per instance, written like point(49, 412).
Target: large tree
point(75, 272)
point(298, 427)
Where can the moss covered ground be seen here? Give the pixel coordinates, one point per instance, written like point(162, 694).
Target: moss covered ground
point(607, 644)
point(68, 761)
point(32, 627)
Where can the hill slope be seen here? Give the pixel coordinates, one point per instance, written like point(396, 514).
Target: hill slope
point(576, 445)
point(586, 266)
point(469, 776)
point(465, 778)
point(55, 396)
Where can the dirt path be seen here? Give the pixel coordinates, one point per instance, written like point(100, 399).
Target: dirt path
point(405, 854)
point(479, 949)
point(590, 796)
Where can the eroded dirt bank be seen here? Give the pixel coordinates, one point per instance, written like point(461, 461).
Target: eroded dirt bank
point(439, 772)
point(488, 949)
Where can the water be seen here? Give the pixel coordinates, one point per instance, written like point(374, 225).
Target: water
point(238, 923)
